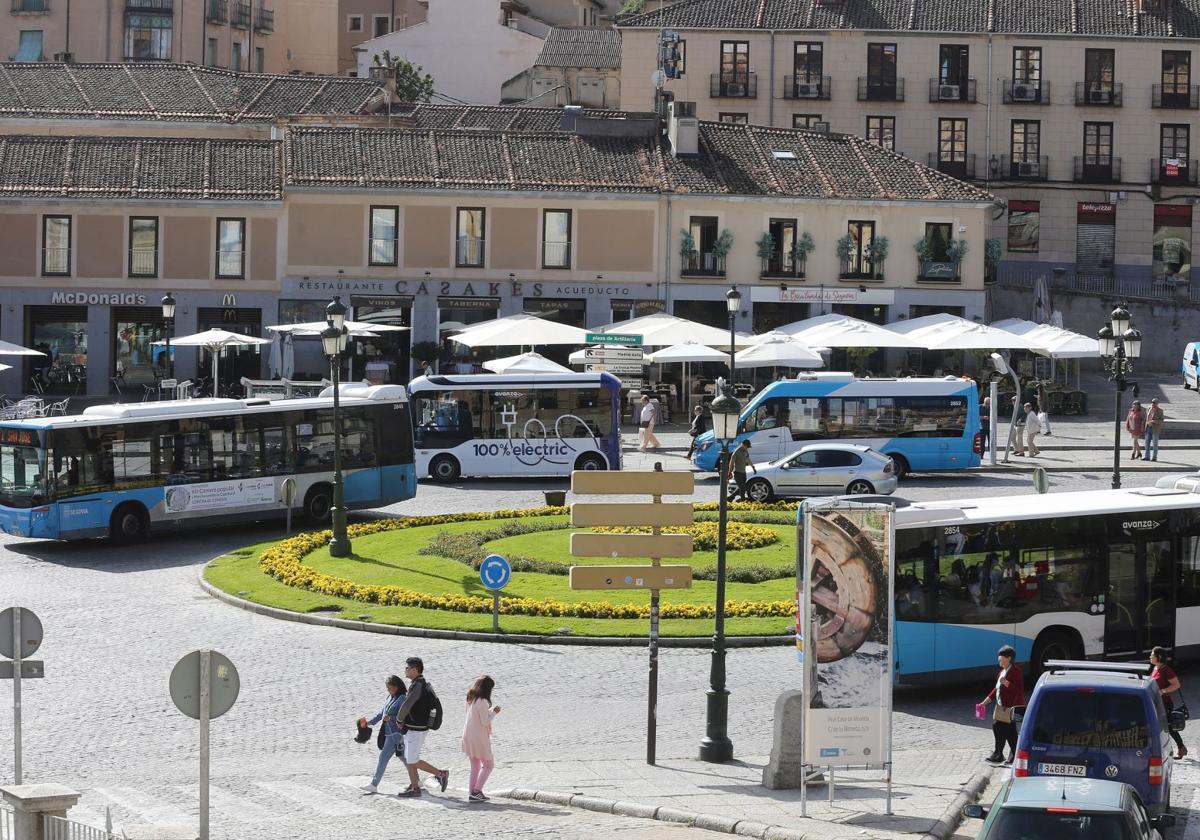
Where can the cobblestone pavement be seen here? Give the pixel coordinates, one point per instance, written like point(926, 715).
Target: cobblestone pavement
point(284, 766)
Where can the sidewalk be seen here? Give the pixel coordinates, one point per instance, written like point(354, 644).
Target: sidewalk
point(730, 798)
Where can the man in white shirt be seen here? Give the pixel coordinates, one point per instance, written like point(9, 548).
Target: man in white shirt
point(646, 422)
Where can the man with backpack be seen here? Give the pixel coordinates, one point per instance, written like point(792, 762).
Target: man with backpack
point(421, 712)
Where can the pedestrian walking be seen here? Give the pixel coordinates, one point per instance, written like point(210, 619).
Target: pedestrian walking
point(392, 734)
point(420, 708)
point(646, 423)
point(1154, 423)
point(477, 736)
point(1016, 432)
point(985, 422)
point(1008, 693)
point(1135, 424)
point(1032, 427)
point(739, 461)
point(1043, 409)
point(1168, 684)
point(700, 425)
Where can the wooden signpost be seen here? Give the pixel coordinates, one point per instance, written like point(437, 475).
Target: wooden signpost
point(655, 546)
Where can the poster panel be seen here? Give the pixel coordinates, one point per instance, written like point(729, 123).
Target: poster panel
point(213, 495)
point(844, 634)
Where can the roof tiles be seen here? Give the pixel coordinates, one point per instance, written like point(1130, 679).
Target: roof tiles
point(581, 46)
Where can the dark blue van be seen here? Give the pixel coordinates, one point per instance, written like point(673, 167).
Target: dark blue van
point(1099, 720)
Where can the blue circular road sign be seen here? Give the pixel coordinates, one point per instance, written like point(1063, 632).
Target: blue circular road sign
point(495, 572)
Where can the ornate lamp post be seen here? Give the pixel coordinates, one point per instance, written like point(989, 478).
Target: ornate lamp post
point(1119, 346)
point(333, 341)
point(168, 310)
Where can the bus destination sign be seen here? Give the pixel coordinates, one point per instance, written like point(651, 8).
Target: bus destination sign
point(19, 437)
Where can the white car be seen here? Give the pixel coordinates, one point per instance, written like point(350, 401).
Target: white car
point(824, 469)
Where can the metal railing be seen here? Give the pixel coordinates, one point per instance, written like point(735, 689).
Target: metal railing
point(1105, 94)
point(239, 14)
point(556, 255)
point(1027, 169)
point(56, 261)
point(1097, 171)
point(264, 20)
point(59, 828)
point(30, 6)
point(1025, 92)
point(782, 265)
point(6, 823)
point(149, 5)
point(940, 91)
point(704, 265)
point(807, 87)
point(143, 262)
point(1175, 96)
point(469, 252)
point(217, 11)
point(733, 85)
point(1180, 173)
point(964, 167)
point(878, 90)
point(1145, 287)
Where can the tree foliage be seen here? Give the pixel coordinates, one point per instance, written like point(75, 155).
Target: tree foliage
point(413, 84)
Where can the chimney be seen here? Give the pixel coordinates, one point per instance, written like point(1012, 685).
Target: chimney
point(683, 129)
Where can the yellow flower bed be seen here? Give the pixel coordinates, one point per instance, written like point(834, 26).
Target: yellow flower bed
point(285, 562)
point(738, 535)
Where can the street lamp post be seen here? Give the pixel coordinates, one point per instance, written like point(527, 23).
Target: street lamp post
point(1119, 346)
point(716, 746)
point(168, 311)
point(333, 340)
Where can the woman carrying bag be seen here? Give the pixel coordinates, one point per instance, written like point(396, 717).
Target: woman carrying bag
point(1009, 692)
point(1168, 684)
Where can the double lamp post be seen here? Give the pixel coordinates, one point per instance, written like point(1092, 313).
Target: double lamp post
point(1119, 346)
point(333, 341)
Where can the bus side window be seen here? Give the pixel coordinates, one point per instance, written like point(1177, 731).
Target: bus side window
point(1189, 573)
point(916, 571)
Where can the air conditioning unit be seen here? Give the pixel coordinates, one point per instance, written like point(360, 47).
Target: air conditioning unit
point(948, 91)
point(381, 73)
point(1100, 97)
point(808, 90)
point(735, 89)
point(821, 127)
point(1029, 169)
point(1024, 92)
point(64, 57)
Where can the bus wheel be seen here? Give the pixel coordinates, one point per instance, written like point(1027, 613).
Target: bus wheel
point(1053, 645)
point(318, 504)
point(129, 524)
point(759, 490)
point(860, 488)
point(591, 462)
point(900, 464)
point(444, 468)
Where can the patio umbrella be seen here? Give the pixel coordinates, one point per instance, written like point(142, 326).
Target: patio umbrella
point(525, 363)
point(688, 352)
point(214, 341)
point(1057, 343)
point(779, 350)
point(844, 331)
point(7, 348)
point(520, 330)
point(950, 332)
point(662, 330)
point(357, 329)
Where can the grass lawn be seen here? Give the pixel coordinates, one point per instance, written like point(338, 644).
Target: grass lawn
point(391, 557)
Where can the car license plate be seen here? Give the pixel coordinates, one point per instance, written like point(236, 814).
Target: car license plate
point(1062, 770)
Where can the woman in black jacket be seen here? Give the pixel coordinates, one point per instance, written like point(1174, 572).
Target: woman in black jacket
point(700, 424)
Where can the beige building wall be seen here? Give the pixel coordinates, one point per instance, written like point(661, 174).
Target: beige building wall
point(98, 242)
point(311, 35)
point(407, 13)
point(19, 244)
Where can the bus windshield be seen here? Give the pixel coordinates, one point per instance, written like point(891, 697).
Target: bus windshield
point(21, 477)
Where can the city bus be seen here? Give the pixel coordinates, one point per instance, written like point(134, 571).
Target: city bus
point(515, 424)
point(1092, 574)
point(921, 423)
point(127, 470)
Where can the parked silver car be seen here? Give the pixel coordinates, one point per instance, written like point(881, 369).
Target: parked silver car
point(824, 469)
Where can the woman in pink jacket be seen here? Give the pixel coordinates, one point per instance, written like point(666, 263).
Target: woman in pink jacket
point(477, 735)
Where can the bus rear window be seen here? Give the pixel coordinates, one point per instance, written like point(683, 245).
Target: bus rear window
point(1070, 718)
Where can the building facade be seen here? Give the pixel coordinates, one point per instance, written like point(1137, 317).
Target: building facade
point(578, 65)
point(1081, 116)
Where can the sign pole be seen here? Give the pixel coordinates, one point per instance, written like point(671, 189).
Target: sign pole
point(652, 696)
point(205, 704)
point(495, 610)
point(17, 644)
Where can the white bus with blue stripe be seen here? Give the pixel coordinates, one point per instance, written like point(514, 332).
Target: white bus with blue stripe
point(925, 424)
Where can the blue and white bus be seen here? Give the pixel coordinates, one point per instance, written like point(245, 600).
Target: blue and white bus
point(515, 424)
point(1103, 574)
point(923, 424)
point(127, 470)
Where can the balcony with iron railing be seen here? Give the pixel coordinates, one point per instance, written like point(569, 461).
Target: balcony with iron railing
point(56, 261)
point(143, 262)
point(1026, 92)
point(264, 20)
point(1178, 96)
point(1097, 169)
point(556, 255)
point(880, 90)
point(1174, 172)
point(960, 166)
point(1025, 168)
point(134, 6)
point(733, 85)
point(1102, 94)
point(782, 265)
point(469, 252)
point(807, 87)
point(217, 11)
point(30, 7)
point(940, 91)
point(239, 14)
point(703, 265)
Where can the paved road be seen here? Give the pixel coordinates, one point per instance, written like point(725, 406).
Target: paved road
point(283, 763)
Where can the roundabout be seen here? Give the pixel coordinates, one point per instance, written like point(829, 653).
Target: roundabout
point(422, 573)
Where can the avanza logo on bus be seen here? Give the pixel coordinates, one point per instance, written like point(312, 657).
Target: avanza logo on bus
point(114, 299)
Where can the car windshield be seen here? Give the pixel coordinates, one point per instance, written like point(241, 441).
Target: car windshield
point(20, 476)
point(1071, 718)
point(1019, 824)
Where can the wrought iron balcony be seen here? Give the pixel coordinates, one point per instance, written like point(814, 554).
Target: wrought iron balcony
point(1172, 171)
point(239, 14)
point(1097, 169)
point(880, 90)
point(733, 85)
point(1026, 92)
point(264, 20)
point(961, 167)
point(807, 87)
point(704, 265)
point(940, 91)
point(149, 5)
point(217, 11)
point(1184, 97)
point(1024, 169)
point(1103, 94)
point(30, 7)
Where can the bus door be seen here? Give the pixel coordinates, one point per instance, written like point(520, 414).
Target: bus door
point(766, 426)
point(1139, 605)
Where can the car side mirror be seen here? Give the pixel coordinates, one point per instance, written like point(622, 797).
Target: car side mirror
point(975, 811)
point(1176, 721)
point(1164, 821)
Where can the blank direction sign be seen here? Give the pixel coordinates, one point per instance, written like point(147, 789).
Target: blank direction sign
point(31, 633)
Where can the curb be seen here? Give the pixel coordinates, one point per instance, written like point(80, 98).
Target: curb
point(952, 817)
point(471, 636)
point(1024, 468)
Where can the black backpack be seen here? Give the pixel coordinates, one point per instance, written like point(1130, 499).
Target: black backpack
point(435, 708)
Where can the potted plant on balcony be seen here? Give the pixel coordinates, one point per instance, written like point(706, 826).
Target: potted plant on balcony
point(721, 248)
point(932, 269)
point(845, 252)
point(766, 250)
point(956, 251)
point(801, 248)
point(991, 260)
point(877, 253)
point(687, 249)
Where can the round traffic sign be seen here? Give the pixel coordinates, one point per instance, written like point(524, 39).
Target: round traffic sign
point(495, 572)
point(223, 684)
point(1041, 481)
point(31, 633)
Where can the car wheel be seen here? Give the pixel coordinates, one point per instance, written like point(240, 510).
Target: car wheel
point(444, 468)
point(859, 488)
point(591, 462)
point(318, 504)
point(1052, 645)
point(129, 524)
point(759, 490)
point(900, 465)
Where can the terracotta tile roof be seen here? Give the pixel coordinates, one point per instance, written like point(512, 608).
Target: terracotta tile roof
point(139, 168)
point(173, 92)
point(581, 46)
point(732, 160)
point(1115, 18)
point(498, 117)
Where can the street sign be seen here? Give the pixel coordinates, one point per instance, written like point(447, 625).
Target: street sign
point(1041, 482)
point(631, 545)
point(31, 633)
point(223, 684)
point(614, 338)
point(598, 482)
point(631, 577)
point(587, 514)
point(31, 669)
point(618, 369)
point(609, 355)
point(495, 572)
